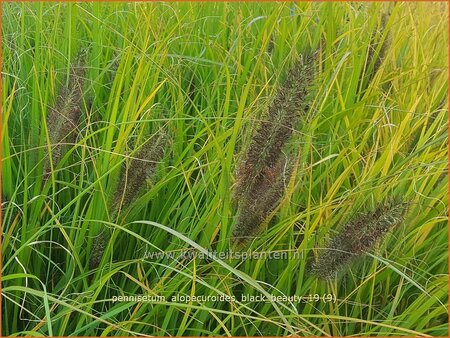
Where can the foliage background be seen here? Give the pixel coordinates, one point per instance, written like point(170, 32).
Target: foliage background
point(205, 72)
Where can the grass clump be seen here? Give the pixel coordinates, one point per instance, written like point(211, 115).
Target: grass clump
point(203, 74)
point(376, 53)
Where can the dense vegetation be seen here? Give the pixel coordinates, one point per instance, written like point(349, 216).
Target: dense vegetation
point(143, 128)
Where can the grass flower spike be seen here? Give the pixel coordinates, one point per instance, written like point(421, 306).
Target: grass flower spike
point(357, 237)
point(138, 169)
point(133, 180)
point(64, 117)
point(263, 171)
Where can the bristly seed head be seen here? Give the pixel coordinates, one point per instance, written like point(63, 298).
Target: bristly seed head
point(357, 237)
point(64, 117)
point(288, 106)
point(262, 174)
point(261, 201)
point(137, 170)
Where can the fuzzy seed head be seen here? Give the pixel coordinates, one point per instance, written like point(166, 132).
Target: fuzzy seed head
point(64, 117)
point(136, 171)
point(262, 173)
point(357, 237)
